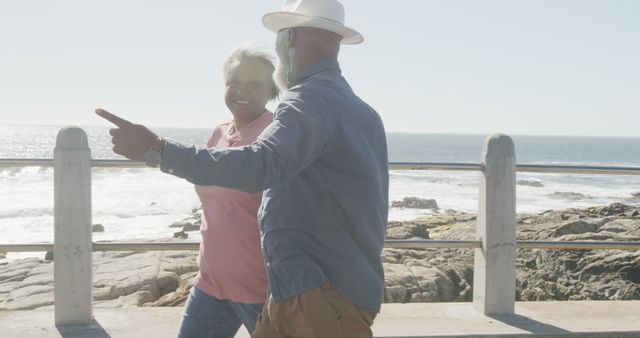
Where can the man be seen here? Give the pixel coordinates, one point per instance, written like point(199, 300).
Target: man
point(322, 164)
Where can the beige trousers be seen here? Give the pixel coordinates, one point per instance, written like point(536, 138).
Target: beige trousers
point(319, 313)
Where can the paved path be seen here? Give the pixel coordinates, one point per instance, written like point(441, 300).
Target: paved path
point(548, 319)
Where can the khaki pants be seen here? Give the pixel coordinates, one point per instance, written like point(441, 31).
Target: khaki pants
point(319, 313)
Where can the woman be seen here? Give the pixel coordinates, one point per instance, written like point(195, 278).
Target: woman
point(231, 285)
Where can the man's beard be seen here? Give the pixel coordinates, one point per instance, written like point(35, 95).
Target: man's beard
point(283, 67)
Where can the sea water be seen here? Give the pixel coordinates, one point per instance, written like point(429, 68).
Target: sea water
point(140, 203)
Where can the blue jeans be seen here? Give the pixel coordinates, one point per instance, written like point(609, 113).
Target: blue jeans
point(206, 316)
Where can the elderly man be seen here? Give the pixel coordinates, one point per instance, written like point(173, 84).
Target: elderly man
point(322, 164)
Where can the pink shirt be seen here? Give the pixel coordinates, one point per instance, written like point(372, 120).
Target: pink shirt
point(231, 263)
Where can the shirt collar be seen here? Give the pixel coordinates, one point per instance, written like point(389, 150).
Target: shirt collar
point(319, 67)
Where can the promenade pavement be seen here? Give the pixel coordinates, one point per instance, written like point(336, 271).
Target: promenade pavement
point(532, 319)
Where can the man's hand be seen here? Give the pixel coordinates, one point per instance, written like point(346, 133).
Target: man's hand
point(129, 140)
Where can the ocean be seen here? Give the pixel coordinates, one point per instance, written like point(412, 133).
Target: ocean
point(139, 204)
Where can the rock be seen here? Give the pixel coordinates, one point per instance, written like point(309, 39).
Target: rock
point(48, 256)
point(124, 279)
point(575, 227)
point(434, 285)
point(635, 194)
point(415, 203)
point(568, 195)
point(18, 270)
point(121, 279)
point(442, 275)
point(614, 209)
point(408, 230)
point(629, 227)
point(177, 224)
point(180, 234)
point(395, 294)
point(180, 295)
point(188, 226)
point(530, 183)
point(97, 228)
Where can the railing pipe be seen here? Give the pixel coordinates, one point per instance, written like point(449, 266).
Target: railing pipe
point(578, 245)
point(389, 244)
point(525, 168)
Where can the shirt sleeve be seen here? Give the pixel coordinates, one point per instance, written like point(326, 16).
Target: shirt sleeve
point(302, 131)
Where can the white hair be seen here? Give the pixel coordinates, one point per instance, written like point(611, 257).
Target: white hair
point(249, 52)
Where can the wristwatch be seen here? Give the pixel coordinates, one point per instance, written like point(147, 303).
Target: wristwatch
point(153, 156)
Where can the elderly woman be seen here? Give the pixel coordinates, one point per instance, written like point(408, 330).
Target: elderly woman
point(231, 285)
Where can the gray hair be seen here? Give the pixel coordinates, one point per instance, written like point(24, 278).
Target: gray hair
point(249, 52)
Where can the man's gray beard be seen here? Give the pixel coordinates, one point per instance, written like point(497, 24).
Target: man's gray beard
point(281, 75)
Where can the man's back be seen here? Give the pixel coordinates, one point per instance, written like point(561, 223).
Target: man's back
point(326, 222)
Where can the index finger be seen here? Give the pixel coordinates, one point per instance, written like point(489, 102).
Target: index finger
point(118, 121)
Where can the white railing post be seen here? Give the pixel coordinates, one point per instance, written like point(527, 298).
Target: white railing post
point(72, 252)
point(494, 281)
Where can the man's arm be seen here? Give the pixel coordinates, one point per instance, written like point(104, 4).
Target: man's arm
point(300, 133)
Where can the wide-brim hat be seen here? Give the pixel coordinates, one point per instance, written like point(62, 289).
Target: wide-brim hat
point(322, 14)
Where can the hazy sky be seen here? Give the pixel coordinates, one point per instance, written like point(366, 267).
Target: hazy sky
point(558, 67)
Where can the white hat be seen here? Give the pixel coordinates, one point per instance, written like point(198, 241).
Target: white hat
point(323, 14)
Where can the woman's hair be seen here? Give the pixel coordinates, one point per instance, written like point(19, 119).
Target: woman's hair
point(249, 52)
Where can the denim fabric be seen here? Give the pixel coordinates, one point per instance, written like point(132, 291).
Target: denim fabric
point(323, 167)
point(207, 317)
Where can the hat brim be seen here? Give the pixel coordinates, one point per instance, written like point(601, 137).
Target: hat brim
point(277, 21)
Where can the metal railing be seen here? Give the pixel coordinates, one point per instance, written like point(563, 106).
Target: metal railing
point(397, 244)
point(494, 273)
point(525, 168)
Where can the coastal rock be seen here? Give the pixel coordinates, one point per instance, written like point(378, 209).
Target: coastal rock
point(18, 270)
point(123, 279)
point(120, 279)
point(191, 227)
point(180, 295)
point(412, 275)
point(568, 195)
point(97, 228)
point(427, 275)
point(181, 234)
point(191, 223)
point(581, 274)
point(407, 230)
point(612, 209)
point(575, 227)
point(530, 183)
point(415, 203)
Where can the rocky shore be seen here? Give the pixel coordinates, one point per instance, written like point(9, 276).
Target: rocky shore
point(124, 279)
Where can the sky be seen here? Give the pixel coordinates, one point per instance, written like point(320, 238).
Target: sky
point(526, 67)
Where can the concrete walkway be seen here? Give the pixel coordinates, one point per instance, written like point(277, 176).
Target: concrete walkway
point(548, 319)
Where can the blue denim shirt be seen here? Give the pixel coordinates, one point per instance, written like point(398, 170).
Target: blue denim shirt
point(323, 167)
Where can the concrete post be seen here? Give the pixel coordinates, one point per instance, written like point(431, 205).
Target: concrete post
point(72, 252)
point(494, 273)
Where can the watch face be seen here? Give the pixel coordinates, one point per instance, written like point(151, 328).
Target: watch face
point(152, 158)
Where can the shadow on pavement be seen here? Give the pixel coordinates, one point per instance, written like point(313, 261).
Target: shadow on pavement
point(530, 325)
point(95, 330)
